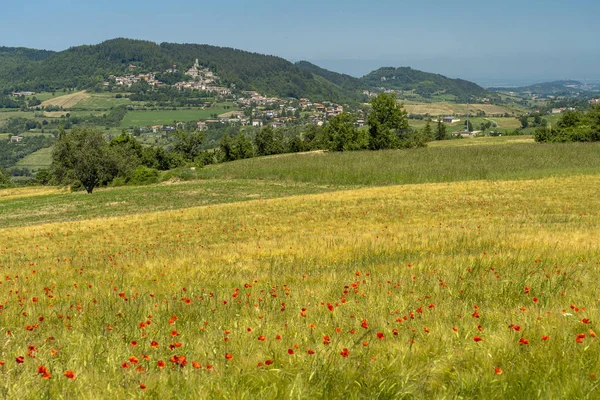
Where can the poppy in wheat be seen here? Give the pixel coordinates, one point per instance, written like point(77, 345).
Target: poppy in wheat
point(523, 341)
point(477, 338)
point(228, 357)
point(70, 374)
point(345, 353)
point(498, 371)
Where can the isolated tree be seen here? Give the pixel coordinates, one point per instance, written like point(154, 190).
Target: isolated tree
point(427, 131)
point(385, 120)
point(524, 121)
point(440, 132)
point(468, 126)
point(82, 155)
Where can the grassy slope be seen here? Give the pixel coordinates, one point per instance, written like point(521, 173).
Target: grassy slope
point(413, 263)
point(502, 158)
point(29, 208)
point(149, 118)
point(38, 160)
point(456, 163)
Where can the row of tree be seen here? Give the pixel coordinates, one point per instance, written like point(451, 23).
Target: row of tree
point(573, 126)
point(83, 155)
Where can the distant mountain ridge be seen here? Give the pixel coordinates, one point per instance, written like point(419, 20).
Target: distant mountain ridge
point(88, 66)
point(559, 87)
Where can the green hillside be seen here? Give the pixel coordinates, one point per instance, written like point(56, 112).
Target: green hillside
point(85, 67)
point(423, 83)
point(345, 81)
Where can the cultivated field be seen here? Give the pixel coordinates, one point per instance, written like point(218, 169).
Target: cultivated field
point(101, 101)
point(282, 277)
point(37, 160)
point(444, 108)
point(163, 117)
point(66, 101)
point(473, 289)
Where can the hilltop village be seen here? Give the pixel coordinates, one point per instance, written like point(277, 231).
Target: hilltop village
point(256, 109)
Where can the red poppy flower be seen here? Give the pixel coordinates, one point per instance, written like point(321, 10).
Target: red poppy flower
point(290, 351)
point(364, 324)
point(196, 364)
point(498, 371)
point(154, 344)
point(228, 357)
point(268, 362)
point(134, 360)
point(20, 360)
point(70, 374)
point(545, 338)
point(380, 335)
point(477, 338)
point(523, 341)
point(174, 333)
point(142, 386)
point(262, 338)
point(311, 352)
point(160, 364)
point(345, 353)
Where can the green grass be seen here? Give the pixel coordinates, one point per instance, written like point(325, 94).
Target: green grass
point(118, 201)
point(482, 141)
point(163, 117)
point(36, 161)
point(432, 164)
point(101, 101)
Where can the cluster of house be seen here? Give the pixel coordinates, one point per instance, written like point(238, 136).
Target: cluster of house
point(203, 79)
point(22, 94)
point(562, 110)
point(130, 80)
point(594, 101)
point(278, 112)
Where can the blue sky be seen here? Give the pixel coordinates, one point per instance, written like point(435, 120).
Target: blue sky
point(485, 41)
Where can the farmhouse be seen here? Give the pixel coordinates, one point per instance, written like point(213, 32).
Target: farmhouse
point(594, 101)
point(16, 139)
point(23, 94)
point(450, 120)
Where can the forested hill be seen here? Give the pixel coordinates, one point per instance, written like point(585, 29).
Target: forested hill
point(424, 83)
point(345, 81)
point(14, 60)
point(87, 66)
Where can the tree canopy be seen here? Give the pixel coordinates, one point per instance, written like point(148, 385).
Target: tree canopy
point(386, 119)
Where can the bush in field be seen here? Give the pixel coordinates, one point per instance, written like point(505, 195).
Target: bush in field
point(144, 176)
